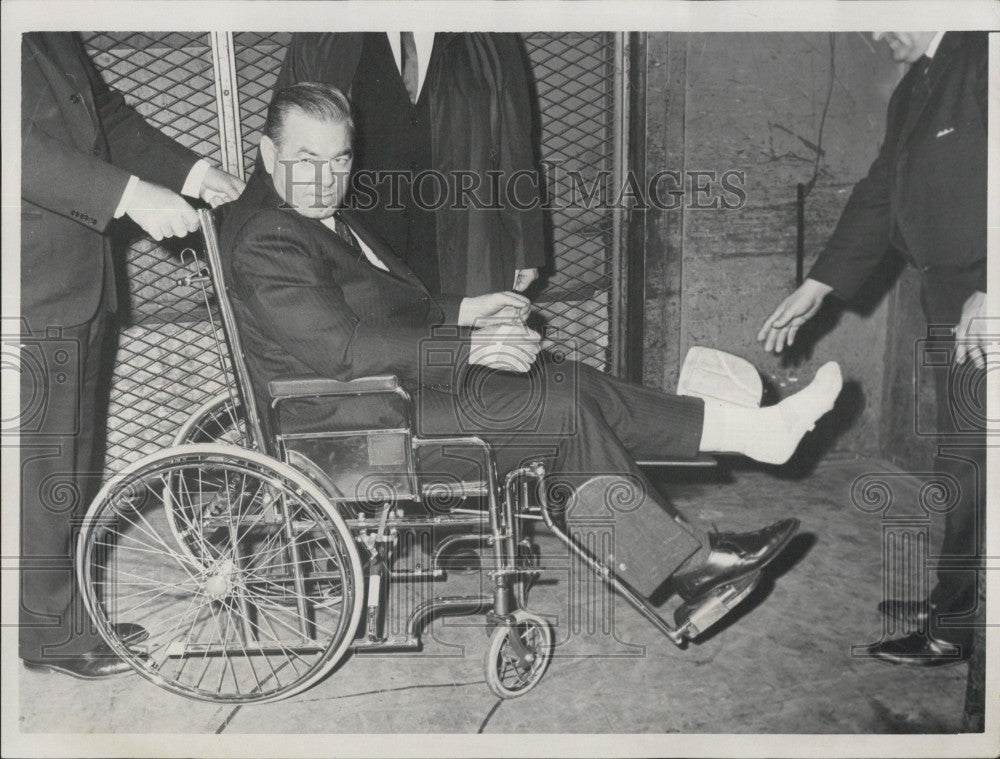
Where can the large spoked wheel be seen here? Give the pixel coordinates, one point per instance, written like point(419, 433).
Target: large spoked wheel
point(267, 606)
point(220, 420)
point(518, 655)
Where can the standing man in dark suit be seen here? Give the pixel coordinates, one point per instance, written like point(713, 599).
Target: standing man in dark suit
point(86, 158)
point(456, 104)
point(925, 197)
point(316, 293)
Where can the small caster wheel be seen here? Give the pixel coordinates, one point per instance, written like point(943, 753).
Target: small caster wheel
point(514, 667)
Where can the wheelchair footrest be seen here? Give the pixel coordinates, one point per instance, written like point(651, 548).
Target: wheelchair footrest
point(693, 620)
point(393, 642)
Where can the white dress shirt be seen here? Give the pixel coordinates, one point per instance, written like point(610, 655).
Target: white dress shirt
point(931, 48)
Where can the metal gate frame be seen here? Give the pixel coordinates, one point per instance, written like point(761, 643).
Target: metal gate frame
point(232, 159)
point(160, 359)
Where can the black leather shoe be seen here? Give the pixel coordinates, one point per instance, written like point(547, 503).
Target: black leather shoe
point(916, 650)
point(912, 613)
point(96, 664)
point(733, 555)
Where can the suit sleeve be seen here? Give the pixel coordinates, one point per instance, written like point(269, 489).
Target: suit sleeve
point(517, 152)
point(450, 305)
point(861, 237)
point(68, 181)
point(136, 146)
point(293, 300)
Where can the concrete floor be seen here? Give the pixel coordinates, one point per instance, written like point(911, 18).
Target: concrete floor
point(782, 665)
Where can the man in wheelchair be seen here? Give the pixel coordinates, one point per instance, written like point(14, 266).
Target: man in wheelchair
point(316, 293)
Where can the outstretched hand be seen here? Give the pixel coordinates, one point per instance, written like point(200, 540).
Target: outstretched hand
point(782, 325)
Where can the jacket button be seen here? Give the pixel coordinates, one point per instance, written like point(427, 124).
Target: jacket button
point(75, 98)
point(413, 121)
point(926, 269)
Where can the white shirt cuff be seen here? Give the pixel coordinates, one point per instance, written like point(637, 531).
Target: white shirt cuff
point(126, 199)
point(195, 178)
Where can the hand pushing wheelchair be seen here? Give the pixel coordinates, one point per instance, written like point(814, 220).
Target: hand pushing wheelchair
point(256, 561)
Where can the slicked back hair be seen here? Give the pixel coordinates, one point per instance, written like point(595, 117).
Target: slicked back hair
point(320, 101)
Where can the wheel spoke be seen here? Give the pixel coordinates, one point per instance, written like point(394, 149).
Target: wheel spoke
point(217, 555)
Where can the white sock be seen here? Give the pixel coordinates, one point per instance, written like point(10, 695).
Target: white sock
point(770, 435)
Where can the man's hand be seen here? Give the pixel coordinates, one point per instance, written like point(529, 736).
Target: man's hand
point(160, 212)
point(504, 306)
point(509, 346)
point(218, 187)
point(523, 278)
point(970, 334)
point(795, 310)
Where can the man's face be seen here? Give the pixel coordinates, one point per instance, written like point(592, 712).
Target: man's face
point(906, 46)
point(310, 164)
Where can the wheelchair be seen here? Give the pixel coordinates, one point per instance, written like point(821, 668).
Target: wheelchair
point(257, 561)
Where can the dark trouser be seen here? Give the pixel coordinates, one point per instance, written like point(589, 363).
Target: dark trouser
point(61, 379)
point(585, 425)
point(960, 395)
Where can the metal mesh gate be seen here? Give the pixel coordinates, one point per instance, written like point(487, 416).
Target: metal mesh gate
point(574, 77)
point(167, 364)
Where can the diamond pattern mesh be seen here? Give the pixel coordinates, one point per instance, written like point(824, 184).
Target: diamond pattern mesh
point(573, 77)
point(167, 363)
point(258, 60)
point(167, 77)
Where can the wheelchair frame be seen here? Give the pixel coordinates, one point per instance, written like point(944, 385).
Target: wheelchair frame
point(243, 558)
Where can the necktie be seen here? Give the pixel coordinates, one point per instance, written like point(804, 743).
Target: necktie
point(344, 232)
point(408, 64)
point(921, 85)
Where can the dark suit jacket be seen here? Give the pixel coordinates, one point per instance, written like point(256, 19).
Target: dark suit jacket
point(307, 303)
point(80, 143)
point(925, 194)
point(480, 121)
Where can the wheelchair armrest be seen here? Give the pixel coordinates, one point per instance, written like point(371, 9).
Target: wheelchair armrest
point(702, 459)
point(308, 386)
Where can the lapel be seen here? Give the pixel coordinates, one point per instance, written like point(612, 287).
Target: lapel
point(261, 182)
point(397, 269)
point(57, 59)
point(935, 76)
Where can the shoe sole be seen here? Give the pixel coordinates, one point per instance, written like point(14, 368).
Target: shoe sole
point(736, 578)
point(49, 668)
point(925, 662)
